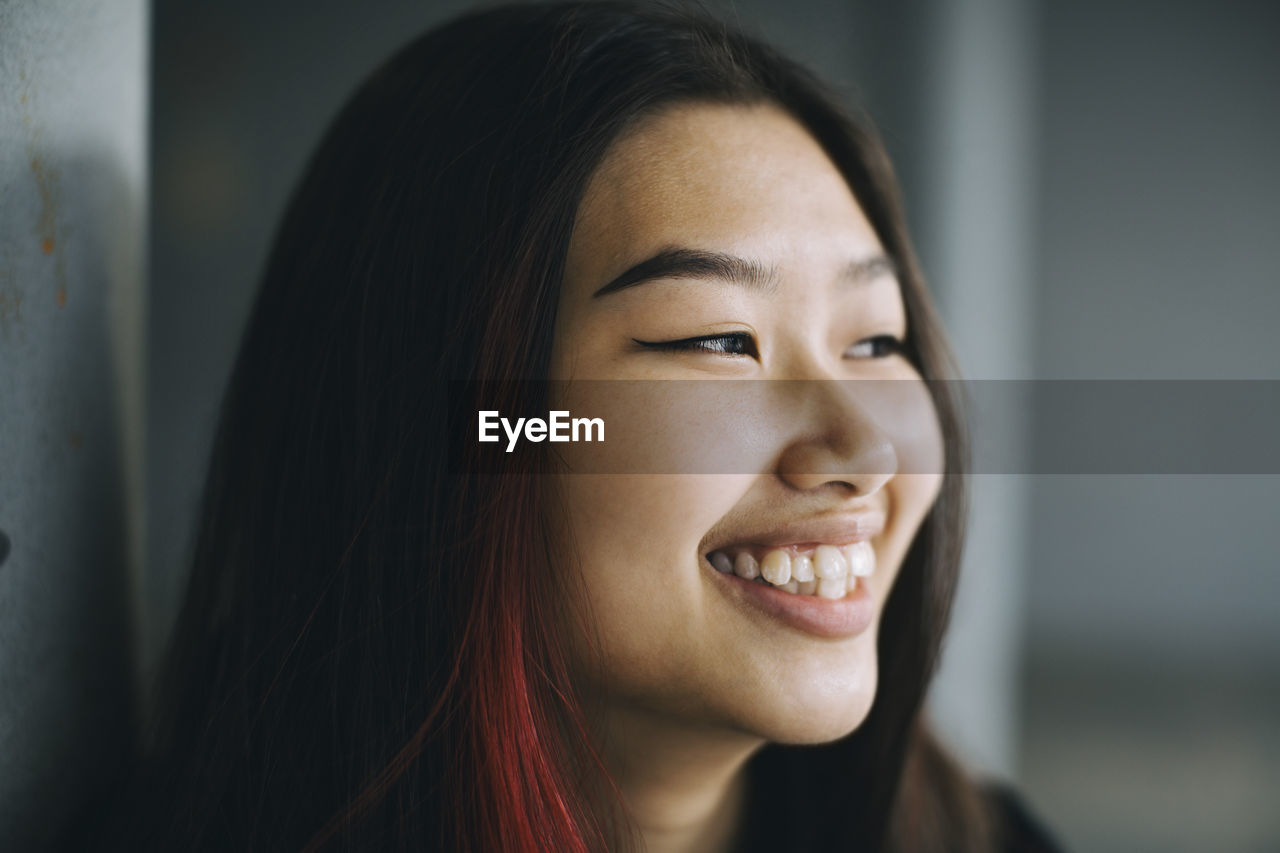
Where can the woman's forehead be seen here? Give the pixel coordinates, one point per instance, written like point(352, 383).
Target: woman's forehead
point(747, 179)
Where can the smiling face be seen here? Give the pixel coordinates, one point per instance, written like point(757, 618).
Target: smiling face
point(720, 242)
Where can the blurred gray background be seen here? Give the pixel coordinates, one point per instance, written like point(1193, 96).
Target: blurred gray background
point(1095, 191)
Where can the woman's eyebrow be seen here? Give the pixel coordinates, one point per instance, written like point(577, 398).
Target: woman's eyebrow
point(677, 262)
point(868, 269)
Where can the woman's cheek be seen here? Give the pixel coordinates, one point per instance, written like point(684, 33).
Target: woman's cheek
point(674, 426)
point(650, 522)
point(903, 408)
point(634, 539)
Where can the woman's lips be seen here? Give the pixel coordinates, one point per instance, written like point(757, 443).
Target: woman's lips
point(807, 533)
point(833, 618)
point(812, 574)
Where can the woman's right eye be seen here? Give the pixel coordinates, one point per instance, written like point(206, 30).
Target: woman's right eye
point(733, 344)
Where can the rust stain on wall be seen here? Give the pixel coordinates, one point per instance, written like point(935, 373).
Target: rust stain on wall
point(47, 223)
point(47, 185)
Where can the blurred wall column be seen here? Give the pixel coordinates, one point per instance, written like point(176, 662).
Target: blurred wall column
point(72, 222)
point(977, 173)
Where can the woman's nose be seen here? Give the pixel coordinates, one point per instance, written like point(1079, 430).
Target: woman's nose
point(839, 441)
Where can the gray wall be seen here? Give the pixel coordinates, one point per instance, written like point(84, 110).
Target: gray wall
point(1160, 259)
point(72, 201)
point(1152, 680)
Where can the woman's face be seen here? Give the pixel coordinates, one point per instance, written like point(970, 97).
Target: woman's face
point(701, 486)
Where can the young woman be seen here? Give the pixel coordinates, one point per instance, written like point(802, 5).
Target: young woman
point(399, 637)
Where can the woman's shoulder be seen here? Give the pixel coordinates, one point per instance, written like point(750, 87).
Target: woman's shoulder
point(1017, 829)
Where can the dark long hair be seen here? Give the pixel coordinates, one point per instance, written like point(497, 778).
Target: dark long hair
point(368, 655)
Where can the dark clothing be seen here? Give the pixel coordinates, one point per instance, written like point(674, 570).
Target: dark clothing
point(779, 821)
point(1018, 831)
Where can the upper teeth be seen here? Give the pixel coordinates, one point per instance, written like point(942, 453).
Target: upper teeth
point(830, 571)
point(745, 566)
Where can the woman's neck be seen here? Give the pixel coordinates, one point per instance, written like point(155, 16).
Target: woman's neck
point(684, 788)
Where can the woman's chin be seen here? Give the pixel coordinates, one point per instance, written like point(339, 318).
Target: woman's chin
point(810, 714)
point(821, 728)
